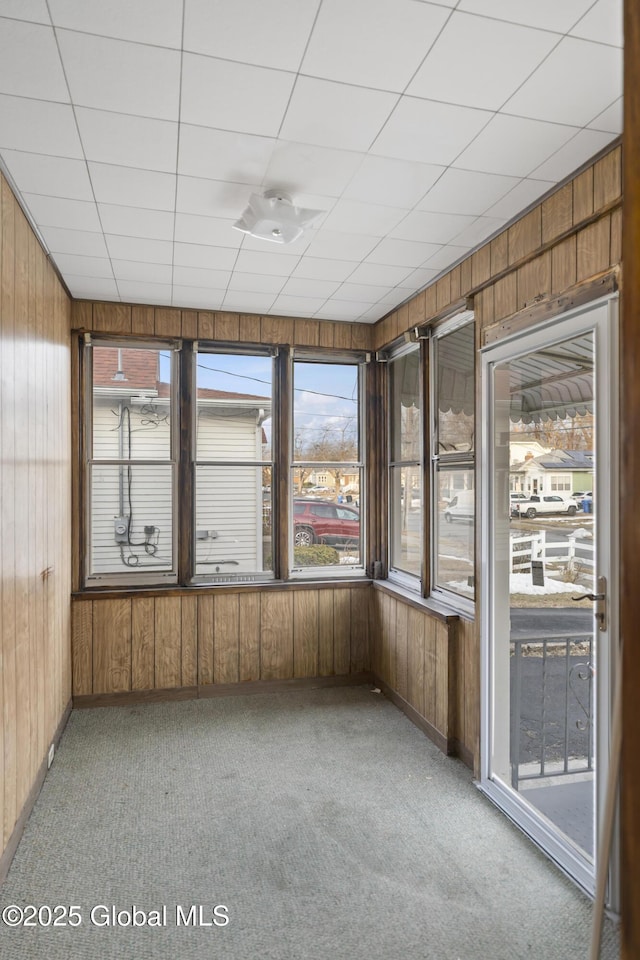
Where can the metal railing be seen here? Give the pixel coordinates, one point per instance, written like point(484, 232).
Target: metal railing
point(552, 696)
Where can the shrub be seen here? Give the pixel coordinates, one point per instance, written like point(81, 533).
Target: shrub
point(317, 555)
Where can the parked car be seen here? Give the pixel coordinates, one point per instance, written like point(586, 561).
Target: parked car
point(317, 521)
point(461, 507)
point(551, 503)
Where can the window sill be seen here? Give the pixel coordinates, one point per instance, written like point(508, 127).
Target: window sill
point(439, 610)
point(202, 589)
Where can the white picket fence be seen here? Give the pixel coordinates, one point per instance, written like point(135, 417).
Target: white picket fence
point(535, 546)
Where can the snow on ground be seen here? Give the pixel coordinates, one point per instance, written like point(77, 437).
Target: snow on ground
point(521, 583)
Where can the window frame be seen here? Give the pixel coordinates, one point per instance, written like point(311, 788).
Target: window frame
point(144, 576)
point(461, 460)
point(344, 358)
point(404, 578)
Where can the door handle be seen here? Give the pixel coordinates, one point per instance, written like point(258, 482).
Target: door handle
point(600, 600)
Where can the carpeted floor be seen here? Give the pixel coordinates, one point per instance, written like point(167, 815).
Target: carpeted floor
point(327, 824)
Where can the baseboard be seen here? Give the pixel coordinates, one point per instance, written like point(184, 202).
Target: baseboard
point(205, 691)
point(449, 745)
point(12, 844)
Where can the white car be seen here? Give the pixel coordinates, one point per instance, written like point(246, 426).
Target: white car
point(550, 503)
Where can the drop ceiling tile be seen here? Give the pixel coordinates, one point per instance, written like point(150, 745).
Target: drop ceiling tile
point(74, 241)
point(371, 219)
point(34, 10)
point(518, 199)
point(397, 296)
point(375, 312)
point(60, 212)
point(145, 21)
point(610, 120)
point(514, 146)
point(424, 275)
point(231, 29)
point(544, 14)
point(335, 115)
point(568, 158)
point(466, 192)
point(298, 167)
point(602, 23)
point(596, 80)
point(92, 288)
point(136, 222)
point(362, 292)
point(256, 283)
point(205, 299)
point(128, 141)
point(332, 245)
point(141, 292)
point(250, 261)
point(212, 197)
point(304, 287)
point(429, 132)
point(394, 183)
point(372, 43)
point(379, 274)
point(431, 227)
point(234, 96)
point(298, 246)
point(318, 268)
point(402, 253)
point(137, 249)
point(445, 256)
point(296, 306)
point(143, 272)
point(247, 302)
point(38, 75)
point(196, 277)
point(347, 310)
point(497, 58)
point(221, 155)
point(478, 231)
point(49, 176)
point(212, 231)
point(120, 76)
point(205, 257)
point(73, 265)
point(38, 127)
point(126, 186)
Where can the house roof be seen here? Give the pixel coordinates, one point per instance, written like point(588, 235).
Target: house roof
point(565, 460)
point(135, 133)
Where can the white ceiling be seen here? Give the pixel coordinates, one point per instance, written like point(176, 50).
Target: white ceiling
point(135, 131)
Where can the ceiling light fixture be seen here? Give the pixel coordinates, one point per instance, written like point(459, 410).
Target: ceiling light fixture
point(273, 217)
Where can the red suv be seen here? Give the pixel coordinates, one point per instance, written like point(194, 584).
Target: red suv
point(318, 521)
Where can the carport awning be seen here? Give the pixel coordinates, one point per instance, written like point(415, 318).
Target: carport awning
point(553, 383)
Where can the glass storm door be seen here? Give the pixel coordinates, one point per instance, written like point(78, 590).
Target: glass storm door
point(548, 527)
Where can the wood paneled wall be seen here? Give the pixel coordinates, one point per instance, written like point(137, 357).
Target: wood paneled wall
point(189, 641)
point(426, 662)
point(35, 547)
point(125, 319)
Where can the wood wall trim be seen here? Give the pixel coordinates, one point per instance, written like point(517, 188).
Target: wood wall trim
point(21, 822)
point(430, 608)
point(629, 510)
point(446, 744)
point(214, 690)
point(548, 308)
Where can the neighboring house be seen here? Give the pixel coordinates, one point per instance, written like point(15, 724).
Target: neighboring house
point(521, 450)
point(560, 472)
point(132, 506)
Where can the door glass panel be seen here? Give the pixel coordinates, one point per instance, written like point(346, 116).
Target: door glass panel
point(545, 647)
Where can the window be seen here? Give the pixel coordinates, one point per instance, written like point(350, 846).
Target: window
point(327, 466)
point(184, 463)
point(233, 466)
point(560, 482)
point(131, 469)
point(405, 468)
point(453, 460)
